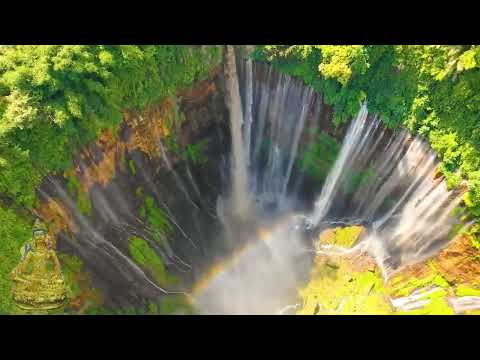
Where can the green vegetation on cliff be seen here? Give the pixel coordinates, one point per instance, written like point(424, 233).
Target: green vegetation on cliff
point(156, 219)
point(433, 90)
point(14, 232)
point(148, 259)
point(84, 204)
point(55, 99)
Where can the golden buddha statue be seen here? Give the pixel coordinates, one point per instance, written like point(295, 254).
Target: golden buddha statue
point(38, 282)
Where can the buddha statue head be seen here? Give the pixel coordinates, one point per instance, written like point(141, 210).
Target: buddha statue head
point(40, 235)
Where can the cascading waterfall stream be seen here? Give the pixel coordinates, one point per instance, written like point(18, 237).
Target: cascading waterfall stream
point(351, 144)
point(263, 275)
point(273, 133)
point(416, 225)
point(408, 212)
point(240, 195)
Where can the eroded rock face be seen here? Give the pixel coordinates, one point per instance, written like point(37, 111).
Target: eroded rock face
point(349, 282)
point(459, 262)
point(454, 271)
point(97, 207)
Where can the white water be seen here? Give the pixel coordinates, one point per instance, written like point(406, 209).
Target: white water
point(350, 147)
point(262, 277)
point(465, 303)
point(409, 212)
point(240, 195)
point(416, 300)
point(277, 109)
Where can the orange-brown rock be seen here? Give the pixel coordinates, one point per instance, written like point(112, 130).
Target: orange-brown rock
point(198, 94)
point(57, 217)
point(362, 262)
point(103, 171)
point(459, 262)
point(417, 271)
point(155, 123)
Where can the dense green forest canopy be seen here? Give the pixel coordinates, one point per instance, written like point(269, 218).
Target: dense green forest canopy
point(56, 98)
point(433, 90)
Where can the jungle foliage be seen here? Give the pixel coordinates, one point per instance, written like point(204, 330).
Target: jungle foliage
point(54, 99)
point(433, 90)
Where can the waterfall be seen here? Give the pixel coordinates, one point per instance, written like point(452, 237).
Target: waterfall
point(410, 211)
point(248, 111)
point(277, 108)
point(350, 147)
point(406, 208)
point(240, 194)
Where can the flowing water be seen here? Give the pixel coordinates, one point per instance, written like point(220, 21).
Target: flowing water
point(240, 196)
point(407, 208)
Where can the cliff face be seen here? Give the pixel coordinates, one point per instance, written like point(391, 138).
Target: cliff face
point(135, 217)
point(155, 179)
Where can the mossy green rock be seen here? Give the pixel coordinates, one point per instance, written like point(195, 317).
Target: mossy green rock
point(341, 236)
point(342, 290)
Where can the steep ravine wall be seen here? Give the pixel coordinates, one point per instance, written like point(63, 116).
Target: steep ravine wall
point(99, 202)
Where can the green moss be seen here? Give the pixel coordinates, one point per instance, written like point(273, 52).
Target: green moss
point(440, 281)
point(84, 204)
point(404, 285)
point(342, 236)
point(81, 293)
point(71, 267)
point(131, 165)
point(474, 234)
point(342, 290)
point(347, 236)
point(117, 311)
point(175, 304)
point(168, 305)
point(72, 184)
point(158, 224)
point(195, 153)
point(465, 290)
point(157, 218)
point(142, 212)
point(148, 259)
